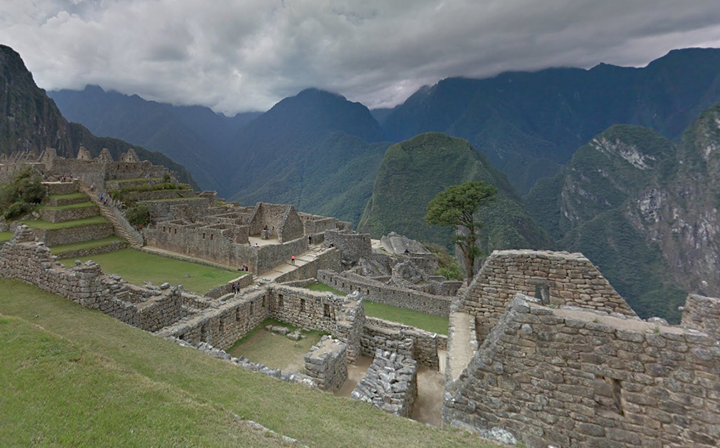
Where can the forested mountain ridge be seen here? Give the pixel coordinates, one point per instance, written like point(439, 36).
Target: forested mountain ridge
point(644, 209)
point(30, 121)
point(530, 123)
point(414, 171)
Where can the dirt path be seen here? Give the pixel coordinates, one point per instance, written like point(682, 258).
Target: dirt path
point(461, 349)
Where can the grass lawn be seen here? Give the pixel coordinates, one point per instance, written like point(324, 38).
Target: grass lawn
point(173, 199)
point(75, 377)
point(275, 350)
point(65, 207)
point(5, 236)
point(137, 267)
point(59, 250)
point(68, 196)
point(434, 324)
point(40, 224)
point(324, 287)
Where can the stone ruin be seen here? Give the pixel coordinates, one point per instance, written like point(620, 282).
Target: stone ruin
point(390, 383)
point(326, 363)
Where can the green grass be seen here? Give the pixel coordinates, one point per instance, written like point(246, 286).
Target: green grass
point(120, 181)
point(324, 287)
point(137, 267)
point(434, 324)
point(75, 377)
point(40, 224)
point(5, 236)
point(66, 207)
point(59, 250)
point(68, 196)
point(173, 199)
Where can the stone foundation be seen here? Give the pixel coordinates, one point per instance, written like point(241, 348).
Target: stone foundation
point(326, 363)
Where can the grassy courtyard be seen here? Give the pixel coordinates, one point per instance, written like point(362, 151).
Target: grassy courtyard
point(274, 350)
point(75, 377)
point(137, 267)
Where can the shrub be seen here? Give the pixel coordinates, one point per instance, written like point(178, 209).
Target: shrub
point(16, 209)
point(138, 215)
point(32, 190)
point(449, 267)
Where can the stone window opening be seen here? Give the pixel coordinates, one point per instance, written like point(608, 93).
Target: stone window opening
point(222, 325)
point(302, 305)
point(281, 301)
point(203, 333)
point(175, 231)
point(608, 393)
point(326, 310)
point(237, 314)
point(542, 293)
point(203, 236)
point(251, 308)
point(211, 236)
point(263, 302)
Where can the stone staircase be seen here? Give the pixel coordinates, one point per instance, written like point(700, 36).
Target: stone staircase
point(287, 267)
point(121, 226)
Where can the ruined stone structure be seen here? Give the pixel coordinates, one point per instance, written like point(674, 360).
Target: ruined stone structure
point(384, 335)
point(390, 383)
point(574, 366)
point(326, 363)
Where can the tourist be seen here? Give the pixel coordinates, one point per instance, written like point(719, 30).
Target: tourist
point(257, 246)
point(293, 259)
point(100, 197)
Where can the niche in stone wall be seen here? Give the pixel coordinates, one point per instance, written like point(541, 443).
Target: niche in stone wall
point(237, 314)
point(203, 333)
point(542, 290)
point(222, 325)
point(251, 308)
point(263, 302)
point(326, 310)
point(302, 305)
point(608, 393)
point(281, 301)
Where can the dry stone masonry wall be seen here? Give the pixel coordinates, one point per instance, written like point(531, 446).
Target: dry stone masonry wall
point(326, 363)
point(556, 278)
point(409, 341)
point(702, 313)
point(580, 378)
point(390, 383)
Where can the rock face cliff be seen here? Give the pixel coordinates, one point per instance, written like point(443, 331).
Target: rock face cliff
point(645, 209)
point(30, 121)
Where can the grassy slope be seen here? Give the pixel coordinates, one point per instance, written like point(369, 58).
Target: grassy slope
point(40, 224)
point(428, 322)
point(315, 418)
point(66, 207)
point(5, 236)
point(67, 196)
point(137, 267)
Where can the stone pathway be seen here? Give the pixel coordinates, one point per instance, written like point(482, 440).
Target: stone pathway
point(460, 348)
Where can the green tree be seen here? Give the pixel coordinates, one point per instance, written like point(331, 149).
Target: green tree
point(456, 206)
point(138, 215)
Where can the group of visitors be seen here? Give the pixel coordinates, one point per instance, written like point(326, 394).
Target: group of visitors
point(103, 200)
point(235, 287)
point(66, 178)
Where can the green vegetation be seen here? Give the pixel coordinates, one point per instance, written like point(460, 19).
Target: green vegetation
point(68, 196)
point(448, 265)
point(87, 379)
point(69, 206)
point(428, 322)
point(5, 236)
point(137, 267)
point(323, 287)
point(138, 215)
point(19, 196)
point(40, 224)
point(456, 206)
point(415, 171)
point(274, 350)
point(124, 194)
point(92, 244)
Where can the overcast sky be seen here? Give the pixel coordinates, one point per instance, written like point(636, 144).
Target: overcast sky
point(248, 54)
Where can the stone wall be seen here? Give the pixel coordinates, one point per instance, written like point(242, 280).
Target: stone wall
point(81, 253)
point(241, 282)
point(329, 260)
point(161, 208)
point(702, 313)
point(148, 308)
point(388, 295)
point(57, 237)
point(353, 246)
point(557, 278)
point(580, 378)
point(326, 363)
point(223, 325)
point(390, 384)
point(68, 214)
point(342, 317)
point(393, 337)
point(271, 255)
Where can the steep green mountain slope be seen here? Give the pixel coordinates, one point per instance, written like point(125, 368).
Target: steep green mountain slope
point(332, 177)
point(529, 124)
point(414, 171)
point(30, 121)
point(644, 209)
point(194, 136)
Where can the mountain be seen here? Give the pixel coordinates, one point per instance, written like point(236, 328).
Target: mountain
point(415, 171)
point(530, 124)
point(30, 121)
point(192, 135)
point(644, 209)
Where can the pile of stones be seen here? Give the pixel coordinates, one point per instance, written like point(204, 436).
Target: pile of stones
point(390, 383)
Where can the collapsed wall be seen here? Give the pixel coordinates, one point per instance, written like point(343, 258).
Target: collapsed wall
point(569, 377)
point(412, 342)
point(389, 384)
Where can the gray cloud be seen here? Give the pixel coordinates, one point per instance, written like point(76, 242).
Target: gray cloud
point(246, 55)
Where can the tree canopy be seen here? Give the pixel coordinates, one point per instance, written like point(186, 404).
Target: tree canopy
point(456, 206)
